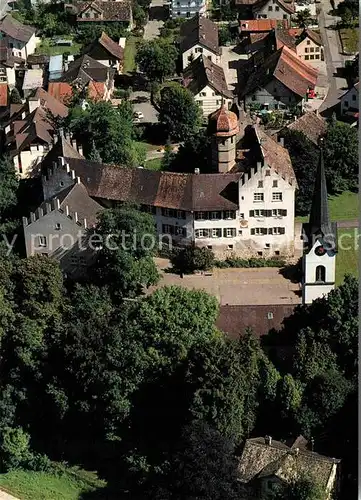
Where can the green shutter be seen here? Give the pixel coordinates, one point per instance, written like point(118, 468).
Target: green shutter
point(224, 233)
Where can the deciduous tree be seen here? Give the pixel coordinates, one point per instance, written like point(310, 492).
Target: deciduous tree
point(157, 59)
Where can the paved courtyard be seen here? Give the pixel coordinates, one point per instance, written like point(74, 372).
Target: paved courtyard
point(141, 102)
point(263, 286)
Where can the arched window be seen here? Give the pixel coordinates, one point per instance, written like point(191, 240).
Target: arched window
point(320, 274)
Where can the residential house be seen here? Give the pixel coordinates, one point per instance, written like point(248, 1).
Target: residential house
point(311, 124)
point(104, 12)
point(10, 62)
point(207, 82)
point(33, 79)
point(281, 81)
point(264, 35)
point(273, 9)
point(199, 36)
point(187, 8)
point(309, 46)
point(86, 74)
point(71, 213)
point(30, 131)
point(20, 38)
point(265, 463)
point(107, 52)
point(350, 102)
point(247, 211)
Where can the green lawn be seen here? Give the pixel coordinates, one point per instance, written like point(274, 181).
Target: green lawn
point(29, 485)
point(342, 207)
point(129, 54)
point(347, 257)
point(155, 164)
point(47, 48)
point(349, 39)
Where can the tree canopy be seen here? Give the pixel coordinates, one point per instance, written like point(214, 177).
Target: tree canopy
point(157, 59)
point(179, 112)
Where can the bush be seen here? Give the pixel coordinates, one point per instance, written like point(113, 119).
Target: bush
point(252, 262)
point(14, 448)
point(192, 259)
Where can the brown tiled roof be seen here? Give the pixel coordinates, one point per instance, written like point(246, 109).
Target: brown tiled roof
point(286, 67)
point(199, 30)
point(163, 189)
point(223, 123)
point(84, 69)
point(112, 47)
point(275, 155)
point(315, 37)
point(111, 10)
point(257, 25)
point(203, 72)
point(36, 127)
point(312, 125)
point(234, 320)
point(260, 459)
point(15, 29)
point(257, 37)
point(283, 37)
point(3, 94)
point(96, 90)
point(56, 107)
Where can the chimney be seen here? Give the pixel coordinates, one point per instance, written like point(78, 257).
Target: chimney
point(282, 142)
point(67, 210)
point(25, 221)
point(80, 149)
point(78, 180)
point(33, 104)
point(57, 204)
point(196, 171)
point(61, 161)
point(297, 451)
point(85, 224)
point(268, 440)
point(76, 217)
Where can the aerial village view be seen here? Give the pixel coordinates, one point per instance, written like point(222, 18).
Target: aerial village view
point(178, 249)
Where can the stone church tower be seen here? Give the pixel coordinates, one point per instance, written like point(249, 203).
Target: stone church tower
point(319, 260)
point(223, 128)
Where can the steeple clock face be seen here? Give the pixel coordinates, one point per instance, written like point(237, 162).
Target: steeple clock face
point(320, 250)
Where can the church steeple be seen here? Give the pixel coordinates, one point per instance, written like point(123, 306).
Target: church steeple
point(319, 217)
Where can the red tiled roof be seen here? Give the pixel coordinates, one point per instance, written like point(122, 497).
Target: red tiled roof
point(60, 91)
point(51, 103)
point(256, 25)
point(112, 47)
point(96, 90)
point(3, 94)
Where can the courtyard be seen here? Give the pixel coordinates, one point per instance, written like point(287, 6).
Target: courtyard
point(257, 286)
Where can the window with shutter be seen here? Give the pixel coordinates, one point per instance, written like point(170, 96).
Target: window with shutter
point(282, 230)
point(252, 231)
point(251, 213)
point(269, 213)
point(284, 213)
point(224, 233)
point(269, 230)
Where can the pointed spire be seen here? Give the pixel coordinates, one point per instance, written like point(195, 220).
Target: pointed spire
point(319, 216)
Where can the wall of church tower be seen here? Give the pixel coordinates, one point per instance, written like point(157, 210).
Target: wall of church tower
point(318, 274)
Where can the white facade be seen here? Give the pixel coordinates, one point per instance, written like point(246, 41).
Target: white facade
point(262, 228)
point(350, 102)
point(27, 161)
point(318, 274)
point(191, 54)
point(272, 10)
point(209, 100)
point(22, 49)
point(185, 8)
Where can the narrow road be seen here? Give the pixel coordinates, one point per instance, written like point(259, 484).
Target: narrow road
point(333, 57)
point(155, 21)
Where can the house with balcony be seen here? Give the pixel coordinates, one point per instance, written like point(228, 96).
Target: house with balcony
point(199, 36)
point(187, 8)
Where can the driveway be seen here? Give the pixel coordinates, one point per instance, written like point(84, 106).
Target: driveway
point(141, 102)
point(263, 286)
point(157, 16)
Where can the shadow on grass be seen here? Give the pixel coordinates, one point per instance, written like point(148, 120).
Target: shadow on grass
point(104, 494)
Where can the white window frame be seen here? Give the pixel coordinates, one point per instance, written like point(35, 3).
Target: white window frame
point(217, 215)
point(229, 232)
point(42, 241)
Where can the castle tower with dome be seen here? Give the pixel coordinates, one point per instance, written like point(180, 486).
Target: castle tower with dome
point(223, 127)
